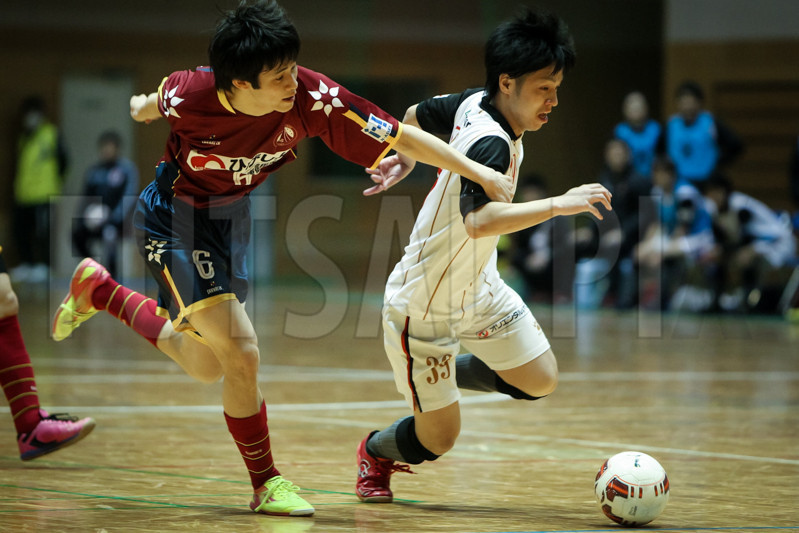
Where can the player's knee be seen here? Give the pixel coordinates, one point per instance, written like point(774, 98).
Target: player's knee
point(535, 387)
point(243, 359)
point(441, 443)
point(413, 451)
point(547, 384)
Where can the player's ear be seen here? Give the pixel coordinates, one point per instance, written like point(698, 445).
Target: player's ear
point(505, 83)
point(241, 84)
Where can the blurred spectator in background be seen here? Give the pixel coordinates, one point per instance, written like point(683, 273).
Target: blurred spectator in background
point(639, 131)
point(793, 177)
point(619, 232)
point(109, 194)
point(674, 258)
point(696, 141)
point(544, 255)
point(39, 171)
point(751, 240)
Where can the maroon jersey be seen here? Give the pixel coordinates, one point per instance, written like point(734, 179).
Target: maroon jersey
point(223, 154)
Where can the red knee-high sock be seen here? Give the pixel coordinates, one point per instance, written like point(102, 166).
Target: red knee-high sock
point(16, 376)
point(135, 310)
point(252, 438)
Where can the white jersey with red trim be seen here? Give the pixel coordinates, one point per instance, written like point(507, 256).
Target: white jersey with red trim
point(444, 273)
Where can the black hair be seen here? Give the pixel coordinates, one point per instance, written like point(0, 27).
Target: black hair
point(33, 103)
point(248, 40)
point(690, 87)
point(717, 180)
point(664, 162)
point(533, 40)
point(109, 136)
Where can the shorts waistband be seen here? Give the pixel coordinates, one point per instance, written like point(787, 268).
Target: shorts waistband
point(165, 176)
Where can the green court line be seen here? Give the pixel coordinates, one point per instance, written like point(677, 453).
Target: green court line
point(69, 464)
point(98, 496)
point(150, 503)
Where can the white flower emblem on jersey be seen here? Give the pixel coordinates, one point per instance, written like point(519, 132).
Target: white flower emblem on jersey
point(155, 249)
point(318, 96)
point(171, 101)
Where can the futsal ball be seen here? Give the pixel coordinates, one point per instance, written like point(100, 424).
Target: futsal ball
point(631, 488)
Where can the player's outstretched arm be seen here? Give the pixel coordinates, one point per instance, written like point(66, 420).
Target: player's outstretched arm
point(393, 169)
point(496, 218)
point(416, 144)
point(144, 107)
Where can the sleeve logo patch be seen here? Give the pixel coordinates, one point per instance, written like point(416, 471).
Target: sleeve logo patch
point(377, 128)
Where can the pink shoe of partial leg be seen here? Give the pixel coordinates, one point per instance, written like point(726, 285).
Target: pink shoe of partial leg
point(77, 307)
point(374, 476)
point(52, 433)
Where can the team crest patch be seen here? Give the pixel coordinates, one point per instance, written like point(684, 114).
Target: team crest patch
point(286, 137)
point(504, 322)
point(377, 128)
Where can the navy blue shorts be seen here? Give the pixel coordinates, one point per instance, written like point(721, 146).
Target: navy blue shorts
point(197, 256)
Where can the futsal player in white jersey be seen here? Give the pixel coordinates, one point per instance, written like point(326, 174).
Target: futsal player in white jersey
point(446, 292)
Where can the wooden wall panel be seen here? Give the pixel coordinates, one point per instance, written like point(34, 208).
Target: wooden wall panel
point(754, 88)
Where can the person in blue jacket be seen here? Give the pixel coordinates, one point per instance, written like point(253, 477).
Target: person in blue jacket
point(639, 131)
point(696, 141)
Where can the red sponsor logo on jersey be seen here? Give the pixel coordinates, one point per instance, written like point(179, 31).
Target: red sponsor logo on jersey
point(203, 162)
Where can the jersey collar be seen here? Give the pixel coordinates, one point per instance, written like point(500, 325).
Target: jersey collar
point(224, 101)
point(500, 119)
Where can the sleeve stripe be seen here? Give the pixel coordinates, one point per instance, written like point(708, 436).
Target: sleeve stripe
point(355, 117)
point(161, 93)
point(350, 114)
point(390, 145)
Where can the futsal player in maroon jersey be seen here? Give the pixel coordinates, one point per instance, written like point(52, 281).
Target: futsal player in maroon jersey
point(231, 125)
point(38, 432)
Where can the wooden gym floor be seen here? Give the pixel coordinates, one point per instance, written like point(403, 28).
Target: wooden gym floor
point(714, 399)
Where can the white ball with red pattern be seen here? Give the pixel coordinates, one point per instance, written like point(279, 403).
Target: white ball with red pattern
point(631, 488)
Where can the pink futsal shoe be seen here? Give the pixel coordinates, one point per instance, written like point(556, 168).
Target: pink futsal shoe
point(77, 307)
point(52, 433)
point(374, 476)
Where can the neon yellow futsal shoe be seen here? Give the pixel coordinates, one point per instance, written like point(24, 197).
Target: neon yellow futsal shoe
point(279, 496)
point(77, 307)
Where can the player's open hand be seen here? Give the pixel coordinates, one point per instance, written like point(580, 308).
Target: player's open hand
point(390, 171)
point(499, 187)
point(583, 199)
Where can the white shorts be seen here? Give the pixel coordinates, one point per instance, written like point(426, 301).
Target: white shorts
point(422, 352)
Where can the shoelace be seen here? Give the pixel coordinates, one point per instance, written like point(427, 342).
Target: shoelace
point(61, 417)
point(400, 467)
point(281, 488)
point(77, 315)
point(384, 468)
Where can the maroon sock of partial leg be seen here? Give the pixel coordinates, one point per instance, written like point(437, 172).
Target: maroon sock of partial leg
point(16, 376)
point(251, 435)
point(133, 309)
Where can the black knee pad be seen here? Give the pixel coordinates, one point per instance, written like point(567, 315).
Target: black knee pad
point(413, 452)
point(513, 392)
point(3, 269)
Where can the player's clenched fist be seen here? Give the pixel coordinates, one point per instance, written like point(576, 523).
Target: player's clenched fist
point(144, 108)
